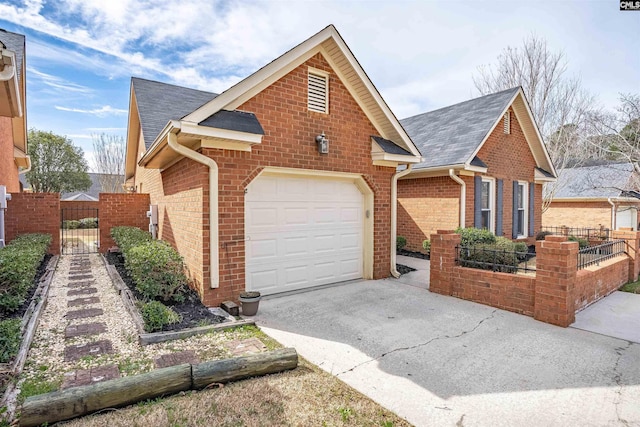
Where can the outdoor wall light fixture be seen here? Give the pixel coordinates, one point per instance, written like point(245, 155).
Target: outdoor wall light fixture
point(323, 144)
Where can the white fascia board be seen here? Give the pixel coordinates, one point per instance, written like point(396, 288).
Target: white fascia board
point(209, 132)
point(398, 158)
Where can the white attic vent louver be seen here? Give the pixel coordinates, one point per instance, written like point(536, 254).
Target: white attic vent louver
point(318, 99)
point(507, 122)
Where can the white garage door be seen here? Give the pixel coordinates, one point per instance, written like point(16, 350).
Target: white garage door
point(302, 232)
point(626, 217)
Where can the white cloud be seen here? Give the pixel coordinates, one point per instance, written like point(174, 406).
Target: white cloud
point(105, 110)
point(58, 83)
point(106, 129)
point(79, 136)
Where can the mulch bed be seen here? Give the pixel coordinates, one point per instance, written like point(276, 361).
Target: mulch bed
point(32, 290)
point(412, 254)
point(403, 269)
point(191, 310)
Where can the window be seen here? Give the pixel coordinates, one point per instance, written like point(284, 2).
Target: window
point(521, 204)
point(486, 205)
point(507, 122)
point(318, 87)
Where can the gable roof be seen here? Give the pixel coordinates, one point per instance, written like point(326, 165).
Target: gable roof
point(453, 135)
point(597, 182)
point(158, 103)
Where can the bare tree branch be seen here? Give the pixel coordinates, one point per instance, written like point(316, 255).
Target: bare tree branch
point(109, 156)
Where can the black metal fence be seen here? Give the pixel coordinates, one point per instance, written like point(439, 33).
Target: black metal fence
point(600, 233)
point(594, 255)
point(79, 230)
point(493, 258)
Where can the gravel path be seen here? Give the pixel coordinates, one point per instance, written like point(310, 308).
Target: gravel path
point(46, 361)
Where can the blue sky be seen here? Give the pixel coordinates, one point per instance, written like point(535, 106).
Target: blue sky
point(421, 55)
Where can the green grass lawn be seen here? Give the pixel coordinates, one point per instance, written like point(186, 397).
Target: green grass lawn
point(634, 287)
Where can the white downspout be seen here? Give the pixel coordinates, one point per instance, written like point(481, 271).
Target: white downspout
point(8, 73)
point(394, 217)
point(463, 195)
point(613, 214)
point(214, 264)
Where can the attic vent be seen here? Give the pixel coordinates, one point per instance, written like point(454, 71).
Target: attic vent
point(507, 122)
point(318, 91)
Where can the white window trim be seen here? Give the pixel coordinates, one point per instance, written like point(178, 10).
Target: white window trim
point(492, 202)
point(525, 204)
point(319, 73)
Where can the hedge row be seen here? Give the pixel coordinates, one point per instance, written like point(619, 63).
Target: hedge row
point(481, 249)
point(157, 271)
point(83, 223)
point(19, 262)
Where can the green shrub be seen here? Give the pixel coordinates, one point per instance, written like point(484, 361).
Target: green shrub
point(472, 236)
point(582, 243)
point(19, 262)
point(70, 224)
point(426, 245)
point(156, 315)
point(88, 223)
point(401, 242)
point(542, 234)
point(128, 237)
point(10, 338)
point(503, 252)
point(157, 270)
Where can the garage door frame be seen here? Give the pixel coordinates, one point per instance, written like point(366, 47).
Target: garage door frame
point(368, 202)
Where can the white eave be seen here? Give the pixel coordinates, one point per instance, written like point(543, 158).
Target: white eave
point(382, 158)
point(10, 99)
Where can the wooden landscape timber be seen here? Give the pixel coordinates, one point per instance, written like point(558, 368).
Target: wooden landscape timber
point(79, 401)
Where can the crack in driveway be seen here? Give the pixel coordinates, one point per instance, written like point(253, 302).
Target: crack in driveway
point(395, 350)
point(618, 380)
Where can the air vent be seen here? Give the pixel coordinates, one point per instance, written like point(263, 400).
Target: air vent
point(507, 122)
point(318, 92)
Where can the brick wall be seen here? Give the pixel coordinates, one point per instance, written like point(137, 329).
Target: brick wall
point(75, 210)
point(289, 141)
point(429, 204)
point(34, 213)
point(8, 168)
point(581, 214)
point(556, 292)
point(118, 209)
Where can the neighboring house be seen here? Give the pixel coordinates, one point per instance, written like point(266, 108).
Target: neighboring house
point(485, 167)
point(100, 183)
point(13, 110)
point(282, 182)
point(593, 196)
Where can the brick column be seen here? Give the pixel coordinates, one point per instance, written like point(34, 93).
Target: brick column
point(443, 259)
point(557, 267)
point(633, 245)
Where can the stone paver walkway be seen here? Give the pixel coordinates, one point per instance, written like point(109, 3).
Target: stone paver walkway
point(86, 335)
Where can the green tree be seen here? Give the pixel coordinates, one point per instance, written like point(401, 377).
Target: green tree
point(57, 166)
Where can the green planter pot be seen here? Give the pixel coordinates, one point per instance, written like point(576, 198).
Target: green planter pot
point(250, 302)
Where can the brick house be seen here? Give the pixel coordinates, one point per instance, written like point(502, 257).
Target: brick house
point(592, 196)
point(13, 110)
point(485, 168)
point(282, 182)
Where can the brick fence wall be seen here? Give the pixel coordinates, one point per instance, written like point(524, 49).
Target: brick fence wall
point(34, 213)
point(118, 209)
point(556, 292)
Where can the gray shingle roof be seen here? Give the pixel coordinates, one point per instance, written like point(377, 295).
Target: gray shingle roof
point(450, 135)
point(596, 181)
point(240, 121)
point(160, 102)
point(15, 43)
point(390, 147)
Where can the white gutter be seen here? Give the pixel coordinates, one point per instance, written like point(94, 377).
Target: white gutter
point(214, 264)
point(394, 217)
point(613, 214)
point(463, 195)
point(7, 74)
point(23, 171)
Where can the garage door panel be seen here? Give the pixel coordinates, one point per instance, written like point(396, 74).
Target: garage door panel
point(302, 232)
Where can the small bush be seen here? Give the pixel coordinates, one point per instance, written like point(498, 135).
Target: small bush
point(582, 243)
point(157, 270)
point(156, 315)
point(128, 237)
point(70, 224)
point(472, 236)
point(401, 242)
point(19, 262)
point(542, 234)
point(426, 245)
point(88, 223)
point(504, 253)
point(10, 338)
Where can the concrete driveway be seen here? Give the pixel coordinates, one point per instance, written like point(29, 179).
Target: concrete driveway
point(439, 361)
point(617, 315)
